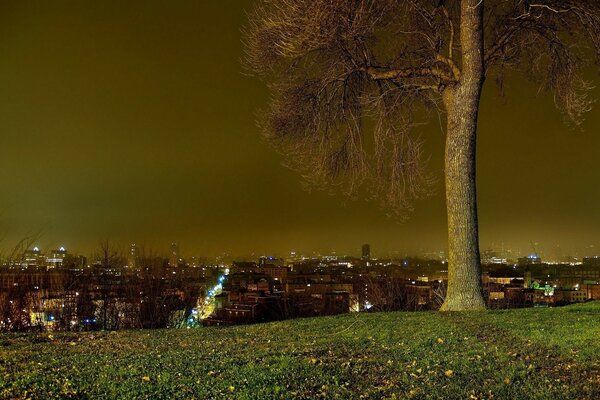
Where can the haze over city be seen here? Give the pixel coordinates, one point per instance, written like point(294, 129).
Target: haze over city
point(134, 121)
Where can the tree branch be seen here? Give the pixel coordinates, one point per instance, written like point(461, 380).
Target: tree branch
point(381, 73)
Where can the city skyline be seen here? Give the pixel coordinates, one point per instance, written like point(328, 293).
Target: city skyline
point(124, 128)
point(502, 253)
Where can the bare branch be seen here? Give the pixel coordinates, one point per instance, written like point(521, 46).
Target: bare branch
point(548, 42)
point(346, 77)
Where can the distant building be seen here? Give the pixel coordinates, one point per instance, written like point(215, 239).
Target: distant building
point(592, 291)
point(571, 275)
point(32, 258)
point(318, 287)
point(492, 257)
point(570, 295)
point(134, 255)
point(174, 257)
point(270, 260)
point(366, 252)
point(593, 261)
point(531, 259)
point(274, 271)
point(56, 258)
point(243, 266)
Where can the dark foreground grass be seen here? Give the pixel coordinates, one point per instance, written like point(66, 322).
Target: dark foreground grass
point(519, 354)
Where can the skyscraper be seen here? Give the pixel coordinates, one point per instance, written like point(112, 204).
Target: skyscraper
point(174, 257)
point(366, 252)
point(134, 255)
point(56, 258)
point(32, 258)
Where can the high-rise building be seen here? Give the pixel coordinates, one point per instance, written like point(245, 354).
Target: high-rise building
point(366, 252)
point(56, 258)
point(174, 257)
point(32, 258)
point(134, 255)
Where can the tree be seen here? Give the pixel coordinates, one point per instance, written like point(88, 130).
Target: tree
point(349, 78)
point(108, 260)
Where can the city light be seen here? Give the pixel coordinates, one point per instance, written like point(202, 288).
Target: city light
point(205, 309)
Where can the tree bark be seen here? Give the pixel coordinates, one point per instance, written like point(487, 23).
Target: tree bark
point(462, 106)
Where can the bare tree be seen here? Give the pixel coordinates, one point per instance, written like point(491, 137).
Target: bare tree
point(339, 69)
point(108, 259)
point(439, 290)
point(15, 289)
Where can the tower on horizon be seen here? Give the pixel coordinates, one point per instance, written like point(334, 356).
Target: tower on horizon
point(174, 257)
point(134, 254)
point(366, 252)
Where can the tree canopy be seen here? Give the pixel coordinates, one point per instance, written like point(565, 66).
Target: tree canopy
point(349, 80)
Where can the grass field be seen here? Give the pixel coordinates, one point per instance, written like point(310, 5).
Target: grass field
point(530, 353)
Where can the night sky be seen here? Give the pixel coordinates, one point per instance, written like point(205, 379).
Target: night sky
point(132, 120)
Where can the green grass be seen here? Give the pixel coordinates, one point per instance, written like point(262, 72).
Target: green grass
point(530, 353)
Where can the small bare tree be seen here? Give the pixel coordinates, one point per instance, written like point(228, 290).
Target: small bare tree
point(108, 259)
point(15, 296)
point(339, 69)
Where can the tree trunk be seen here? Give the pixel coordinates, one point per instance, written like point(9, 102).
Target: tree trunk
point(462, 106)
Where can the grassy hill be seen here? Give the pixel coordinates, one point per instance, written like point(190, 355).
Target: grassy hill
point(529, 353)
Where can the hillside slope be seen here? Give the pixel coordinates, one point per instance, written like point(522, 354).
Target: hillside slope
point(528, 353)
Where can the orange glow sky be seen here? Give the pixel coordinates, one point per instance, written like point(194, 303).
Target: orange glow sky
point(132, 120)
